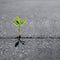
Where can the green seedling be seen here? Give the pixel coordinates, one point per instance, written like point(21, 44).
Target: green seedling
point(18, 23)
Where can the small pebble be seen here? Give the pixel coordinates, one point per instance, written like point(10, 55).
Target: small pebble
point(25, 53)
point(22, 48)
point(29, 35)
point(4, 33)
point(1, 52)
point(6, 50)
point(2, 17)
point(21, 55)
point(33, 50)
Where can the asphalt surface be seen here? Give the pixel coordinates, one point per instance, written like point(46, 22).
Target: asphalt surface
point(43, 18)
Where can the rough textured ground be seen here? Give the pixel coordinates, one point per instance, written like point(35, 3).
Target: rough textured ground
point(43, 18)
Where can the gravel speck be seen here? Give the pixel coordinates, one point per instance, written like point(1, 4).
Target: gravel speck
point(26, 53)
point(21, 55)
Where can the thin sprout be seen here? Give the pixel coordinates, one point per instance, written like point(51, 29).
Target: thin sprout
point(17, 22)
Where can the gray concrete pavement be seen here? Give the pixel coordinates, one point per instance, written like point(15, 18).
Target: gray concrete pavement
point(43, 18)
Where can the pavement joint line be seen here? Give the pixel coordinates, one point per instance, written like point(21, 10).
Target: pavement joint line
point(50, 37)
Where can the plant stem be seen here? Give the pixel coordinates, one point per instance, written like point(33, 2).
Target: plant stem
point(18, 30)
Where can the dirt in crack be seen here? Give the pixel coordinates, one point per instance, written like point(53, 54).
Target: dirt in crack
point(19, 41)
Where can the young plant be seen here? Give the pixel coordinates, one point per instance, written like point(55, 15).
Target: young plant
point(18, 23)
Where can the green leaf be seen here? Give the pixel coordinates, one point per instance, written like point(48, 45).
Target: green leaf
point(23, 21)
point(16, 22)
point(17, 19)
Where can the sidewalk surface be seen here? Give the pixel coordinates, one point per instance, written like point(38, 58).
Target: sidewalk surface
point(43, 18)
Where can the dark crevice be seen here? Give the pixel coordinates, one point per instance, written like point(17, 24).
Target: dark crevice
point(19, 41)
point(29, 37)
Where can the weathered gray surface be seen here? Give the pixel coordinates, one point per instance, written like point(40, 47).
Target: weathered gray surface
point(43, 18)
